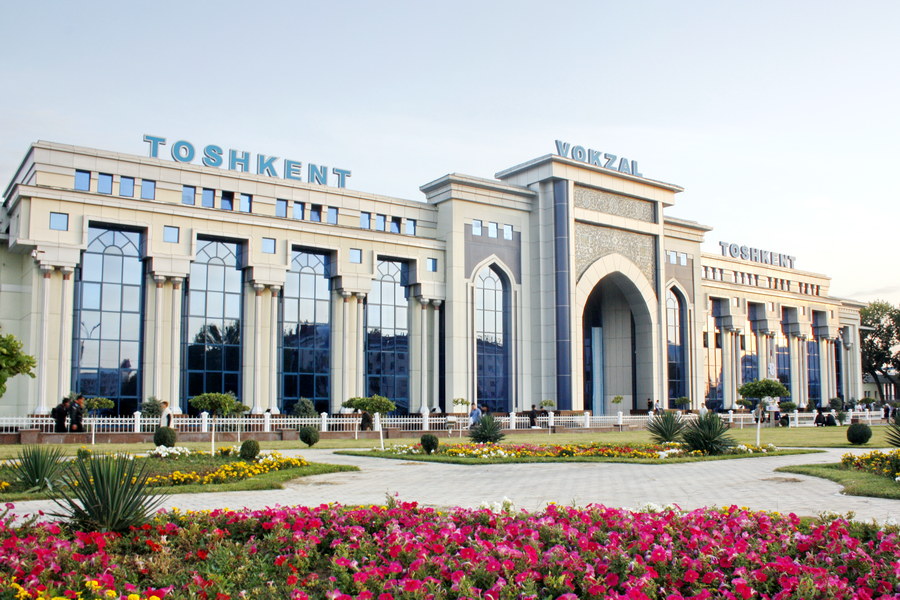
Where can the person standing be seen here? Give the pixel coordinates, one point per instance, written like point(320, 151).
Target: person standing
point(532, 416)
point(76, 415)
point(59, 413)
point(166, 418)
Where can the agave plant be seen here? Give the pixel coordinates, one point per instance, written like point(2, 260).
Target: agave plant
point(107, 493)
point(666, 427)
point(39, 468)
point(707, 434)
point(892, 433)
point(486, 431)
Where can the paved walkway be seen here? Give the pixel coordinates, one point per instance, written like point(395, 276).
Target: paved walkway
point(745, 482)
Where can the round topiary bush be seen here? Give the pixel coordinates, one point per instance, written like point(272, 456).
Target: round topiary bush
point(249, 450)
point(429, 443)
point(309, 435)
point(859, 433)
point(165, 436)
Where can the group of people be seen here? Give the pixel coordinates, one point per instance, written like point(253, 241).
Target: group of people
point(73, 410)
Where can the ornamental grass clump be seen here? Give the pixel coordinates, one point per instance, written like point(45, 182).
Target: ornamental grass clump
point(892, 434)
point(707, 434)
point(107, 493)
point(666, 427)
point(486, 431)
point(39, 468)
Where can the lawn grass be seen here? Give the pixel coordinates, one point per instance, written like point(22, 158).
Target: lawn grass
point(856, 483)
point(462, 460)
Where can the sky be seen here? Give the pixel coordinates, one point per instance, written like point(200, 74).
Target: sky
point(781, 120)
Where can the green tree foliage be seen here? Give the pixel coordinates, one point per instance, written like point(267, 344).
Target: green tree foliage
point(879, 344)
point(304, 408)
point(372, 404)
point(151, 407)
point(763, 388)
point(13, 361)
point(218, 405)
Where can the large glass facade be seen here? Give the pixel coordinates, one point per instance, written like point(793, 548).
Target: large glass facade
point(387, 335)
point(109, 313)
point(712, 351)
point(306, 332)
point(677, 348)
point(212, 332)
point(813, 371)
point(783, 359)
point(749, 358)
point(492, 340)
point(838, 367)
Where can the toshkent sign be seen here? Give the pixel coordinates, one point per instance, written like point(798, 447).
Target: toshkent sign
point(237, 160)
point(598, 158)
point(766, 257)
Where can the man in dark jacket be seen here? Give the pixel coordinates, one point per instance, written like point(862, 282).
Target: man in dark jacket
point(76, 415)
point(59, 414)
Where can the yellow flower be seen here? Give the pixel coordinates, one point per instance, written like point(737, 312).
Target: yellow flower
point(92, 584)
point(133, 597)
point(111, 593)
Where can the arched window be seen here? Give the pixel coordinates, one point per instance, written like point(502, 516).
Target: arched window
point(306, 332)
point(492, 317)
point(677, 348)
point(387, 335)
point(814, 372)
point(109, 315)
point(212, 332)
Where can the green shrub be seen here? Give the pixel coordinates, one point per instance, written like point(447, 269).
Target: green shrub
point(151, 408)
point(429, 443)
point(249, 450)
point(707, 434)
point(666, 427)
point(107, 493)
point(892, 434)
point(309, 436)
point(859, 433)
point(39, 468)
point(304, 407)
point(486, 431)
point(84, 453)
point(841, 416)
point(165, 436)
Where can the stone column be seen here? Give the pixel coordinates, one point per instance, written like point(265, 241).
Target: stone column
point(275, 359)
point(160, 281)
point(43, 358)
point(174, 347)
point(65, 334)
point(729, 394)
point(436, 353)
point(824, 370)
point(360, 347)
point(794, 351)
point(423, 354)
point(345, 343)
point(257, 347)
point(762, 360)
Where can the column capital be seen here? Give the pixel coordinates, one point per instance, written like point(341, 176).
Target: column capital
point(274, 289)
point(424, 302)
point(159, 280)
point(67, 272)
point(176, 282)
point(258, 288)
point(46, 270)
point(437, 303)
point(360, 296)
point(346, 295)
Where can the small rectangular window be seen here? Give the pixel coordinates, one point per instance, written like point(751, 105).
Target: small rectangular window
point(104, 183)
point(476, 227)
point(299, 211)
point(507, 232)
point(395, 224)
point(83, 181)
point(281, 208)
point(227, 201)
point(126, 187)
point(410, 227)
point(170, 234)
point(365, 220)
point(246, 203)
point(188, 195)
point(380, 222)
point(59, 221)
point(315, 213)
point(431, 265)
point(682, 259)
point(148, 189)
point(332, 215)
point(355, 256)
point(208, 198)
point(492, 230)
point(268, 245)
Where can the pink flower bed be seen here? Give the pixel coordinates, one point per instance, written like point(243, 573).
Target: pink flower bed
point(410, 552)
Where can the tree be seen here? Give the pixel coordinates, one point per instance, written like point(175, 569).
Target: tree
point(217, 405)
point(879, 341)
point(372, 404)
point(13, 361)
point(763, 388)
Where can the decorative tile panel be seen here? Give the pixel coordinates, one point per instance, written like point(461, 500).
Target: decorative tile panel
point(613, 204)
point(593, 243)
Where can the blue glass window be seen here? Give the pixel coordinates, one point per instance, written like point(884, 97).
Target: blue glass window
point(814, 372)
point(315, 213)
point(387, 335)
point(83, 181)
point(395, 225)
point(507, 232)
point(677, 347)
point(306, 332)
point(332, 215)
point(188, 195)
point(212, 331)
point(492, 230)
point(104, 183)
point(476, 227)
point(749, 358)
point(712, 350)
point(59, 221)
point(410, 227)
point(492, 315)
point(355, 256)
point(126, 187)
point(148, 189)
point(170, 234)
point(299, 212)
point(227, 200)
point(107, 337)
point(783, 360)
point(431, 265)
point(208, 198)
point(380, 222)
point(246, 203)
point(365, 220)
point(839, 366)
point(268, 245)
point(281, 208)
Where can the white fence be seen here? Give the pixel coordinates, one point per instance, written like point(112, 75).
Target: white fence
point(413, 422)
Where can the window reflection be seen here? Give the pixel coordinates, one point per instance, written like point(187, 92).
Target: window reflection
point(492, 323)
point(387, 333)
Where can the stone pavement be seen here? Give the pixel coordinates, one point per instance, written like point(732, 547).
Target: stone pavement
point(745, 482)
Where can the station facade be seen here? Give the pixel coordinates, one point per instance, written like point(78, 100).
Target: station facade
point(131, 277)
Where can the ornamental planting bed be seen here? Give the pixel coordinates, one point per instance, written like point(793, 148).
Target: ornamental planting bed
point(409, 552)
